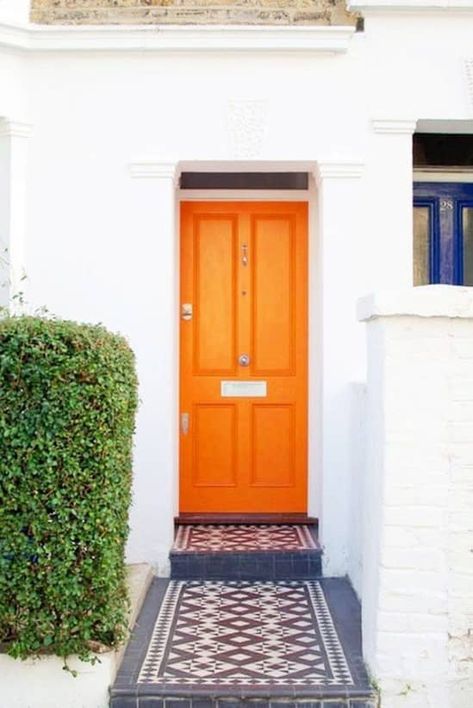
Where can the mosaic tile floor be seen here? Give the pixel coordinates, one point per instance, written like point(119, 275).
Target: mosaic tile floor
point(210, 538)
point(237, 633)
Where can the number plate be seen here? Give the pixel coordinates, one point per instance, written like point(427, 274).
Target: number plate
point(243, 389)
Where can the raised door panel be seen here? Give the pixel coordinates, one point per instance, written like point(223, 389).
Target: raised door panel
point(215, 244)
point(272, 446)
point(273, 310)
point(215, 445)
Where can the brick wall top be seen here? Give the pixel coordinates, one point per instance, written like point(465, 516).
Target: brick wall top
point(253, 12)
point(426, 301)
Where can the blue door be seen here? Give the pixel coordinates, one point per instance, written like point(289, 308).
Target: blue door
point(443, 233)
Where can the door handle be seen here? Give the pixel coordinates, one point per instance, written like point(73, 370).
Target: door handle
point(244, 360)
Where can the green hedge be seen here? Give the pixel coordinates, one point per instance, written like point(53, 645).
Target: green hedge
point(67, 409)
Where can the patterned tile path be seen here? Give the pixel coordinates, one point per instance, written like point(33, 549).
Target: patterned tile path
point(228, 644)
point(249, 634)
point(211, 538)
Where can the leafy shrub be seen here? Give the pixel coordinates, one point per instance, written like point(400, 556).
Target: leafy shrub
point(67, 410)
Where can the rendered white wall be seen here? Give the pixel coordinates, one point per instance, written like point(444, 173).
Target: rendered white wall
point(340, 217)
point(357, 491)
point(96, 249)
point(418, 535)
point(45, 682)
point(14, 138)
point(15, 11)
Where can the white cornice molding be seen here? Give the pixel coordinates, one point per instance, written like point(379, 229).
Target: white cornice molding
point(338, 169)
point(154, 169)
point(182, 38)
point(409, 5)
point(15, 129)
point(394, 126)
point(469, 78)
point(13, 36)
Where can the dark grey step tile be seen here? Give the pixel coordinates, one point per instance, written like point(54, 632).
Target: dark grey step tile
point(124, 702)
point(301, 568)
point(256, 565)
point(226, 703)
point(306, 704)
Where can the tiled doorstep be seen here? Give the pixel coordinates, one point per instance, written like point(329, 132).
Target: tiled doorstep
point(208, 538)
point(246, 552)
point(126, 693)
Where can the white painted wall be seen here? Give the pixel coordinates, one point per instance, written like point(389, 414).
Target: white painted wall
point(96, 250)
point(358, 443)
point(101, 245)
point(14, 143)
point(417, 563)
point(16, 12)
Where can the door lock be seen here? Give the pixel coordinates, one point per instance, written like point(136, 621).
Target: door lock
point(186, 311)
point(244, 360)
point(185, 423)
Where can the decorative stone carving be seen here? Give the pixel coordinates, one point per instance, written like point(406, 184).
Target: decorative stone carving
point(246, 125)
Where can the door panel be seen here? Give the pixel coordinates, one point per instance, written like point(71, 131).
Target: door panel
point(273, 446)
point(466, 229)
point(422, 240)
point(273, 295)
point(215, 440)
point(244, 272)
point(215, 244)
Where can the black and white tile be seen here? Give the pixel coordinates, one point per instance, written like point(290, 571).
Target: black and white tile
point(212, 538)
point(241, 633)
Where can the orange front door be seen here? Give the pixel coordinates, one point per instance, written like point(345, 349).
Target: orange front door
point(243, 357)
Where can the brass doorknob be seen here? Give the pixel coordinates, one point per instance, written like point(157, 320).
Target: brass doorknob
point(244, 360)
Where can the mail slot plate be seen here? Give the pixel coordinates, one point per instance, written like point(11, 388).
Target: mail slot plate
point(244, 389)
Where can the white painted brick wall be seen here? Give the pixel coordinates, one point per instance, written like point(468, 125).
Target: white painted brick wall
point(418, 502)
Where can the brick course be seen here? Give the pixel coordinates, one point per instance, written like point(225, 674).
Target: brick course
point(252, 12)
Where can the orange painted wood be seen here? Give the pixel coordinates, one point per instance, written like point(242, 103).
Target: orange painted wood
point(245, 455)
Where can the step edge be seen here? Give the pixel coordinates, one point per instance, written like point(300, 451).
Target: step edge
point(143, 691)
point(186, 519)
point(175, 552)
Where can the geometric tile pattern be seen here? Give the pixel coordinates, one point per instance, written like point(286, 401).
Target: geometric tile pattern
point(209, 538)
point(244, 633)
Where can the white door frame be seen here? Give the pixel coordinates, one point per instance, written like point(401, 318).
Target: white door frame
point(330, 225)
